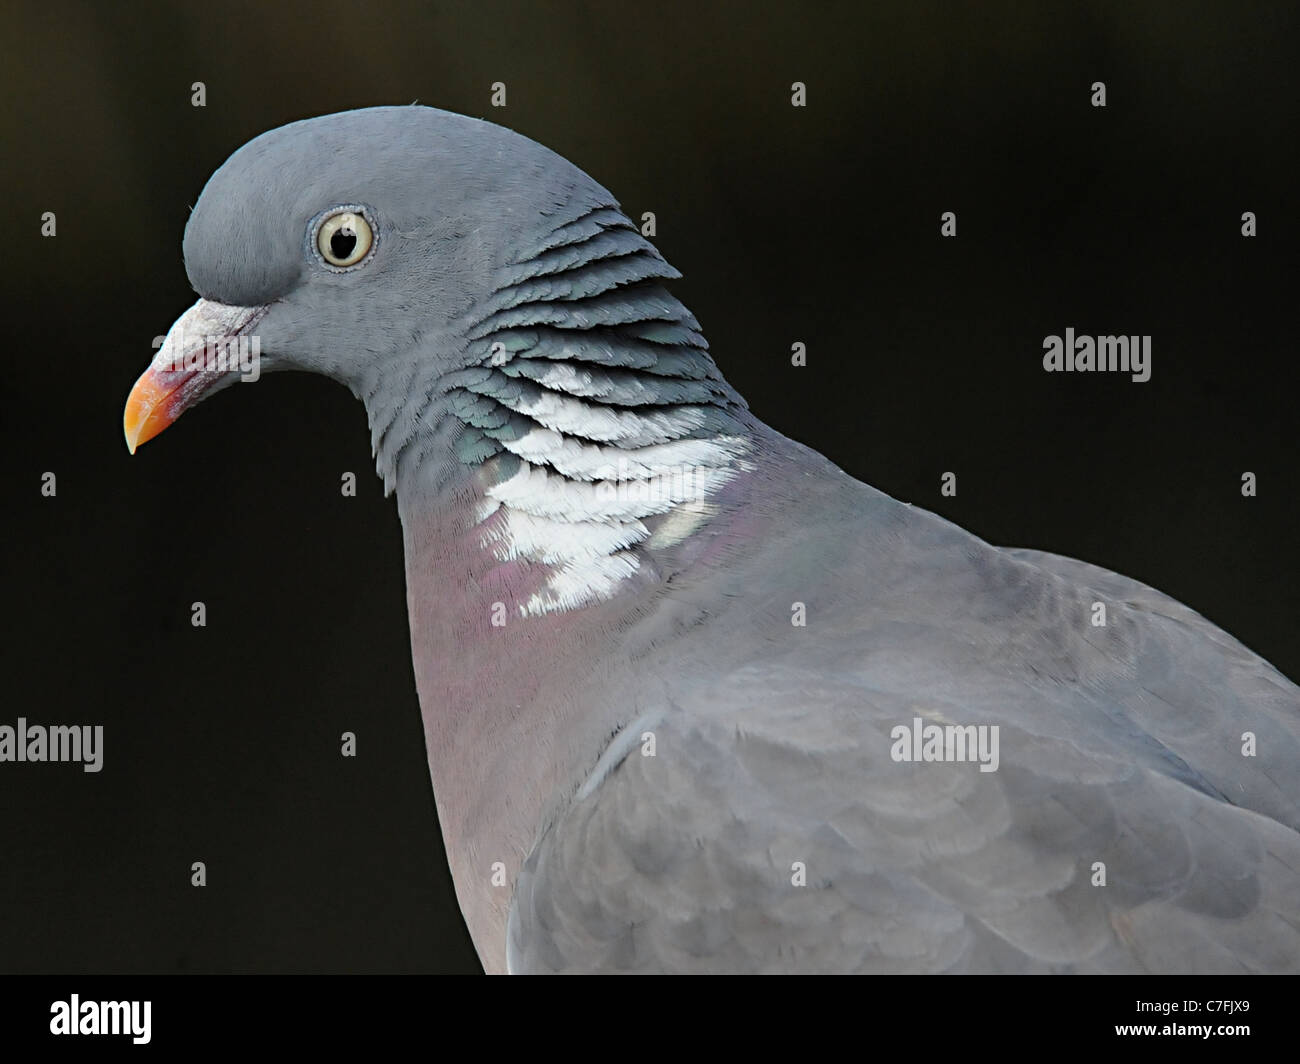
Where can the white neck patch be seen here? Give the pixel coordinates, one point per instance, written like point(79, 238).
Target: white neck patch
point(578, 506)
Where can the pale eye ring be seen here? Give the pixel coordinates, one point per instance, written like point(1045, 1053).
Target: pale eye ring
point(343, 238)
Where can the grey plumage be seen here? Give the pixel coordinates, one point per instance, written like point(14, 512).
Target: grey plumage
point(513, 338)
point(670, 864)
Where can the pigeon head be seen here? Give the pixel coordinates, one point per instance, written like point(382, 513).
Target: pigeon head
point(356, 245)
point(506, 326)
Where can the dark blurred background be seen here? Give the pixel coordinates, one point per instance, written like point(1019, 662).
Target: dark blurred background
point(818, 225)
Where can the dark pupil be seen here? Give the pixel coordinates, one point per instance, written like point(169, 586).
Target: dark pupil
point(342, 243)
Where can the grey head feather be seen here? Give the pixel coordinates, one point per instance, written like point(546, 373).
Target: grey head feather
point(493, 252)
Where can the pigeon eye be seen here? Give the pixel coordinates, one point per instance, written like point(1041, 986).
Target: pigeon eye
point(344, 239)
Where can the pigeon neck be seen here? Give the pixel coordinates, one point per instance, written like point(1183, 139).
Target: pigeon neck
point(520, 587)
point(586, 456)
point(588, 429)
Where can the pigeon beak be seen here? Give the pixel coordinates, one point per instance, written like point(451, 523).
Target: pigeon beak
point(210, 346)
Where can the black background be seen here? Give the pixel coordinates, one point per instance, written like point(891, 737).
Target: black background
point(818, 225)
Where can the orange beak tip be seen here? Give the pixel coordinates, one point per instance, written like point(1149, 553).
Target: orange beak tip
point(145, 414)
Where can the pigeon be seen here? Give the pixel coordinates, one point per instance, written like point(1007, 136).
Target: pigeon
point(695, 699)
